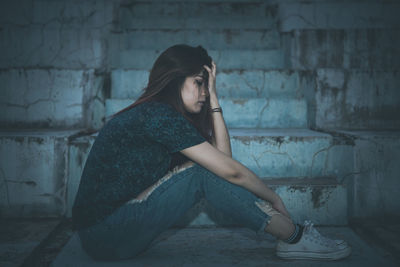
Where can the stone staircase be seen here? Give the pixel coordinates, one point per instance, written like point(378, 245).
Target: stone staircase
point(287, 88)
point(264, 103)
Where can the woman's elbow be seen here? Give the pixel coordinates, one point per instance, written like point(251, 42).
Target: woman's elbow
point(235, 176)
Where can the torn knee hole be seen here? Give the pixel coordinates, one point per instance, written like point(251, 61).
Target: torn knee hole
point(266, 207)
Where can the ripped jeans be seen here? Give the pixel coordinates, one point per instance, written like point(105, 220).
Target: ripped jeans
point(131, 229)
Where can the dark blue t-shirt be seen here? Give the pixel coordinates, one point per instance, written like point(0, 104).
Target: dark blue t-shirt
point(131, 152)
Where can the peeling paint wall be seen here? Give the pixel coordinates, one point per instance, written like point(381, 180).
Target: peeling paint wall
point(376, 175)
point(357, 99)
point(33, 183)
point(351, 49)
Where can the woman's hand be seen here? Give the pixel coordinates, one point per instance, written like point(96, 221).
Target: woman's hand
point(211, 79)
point(279, 206)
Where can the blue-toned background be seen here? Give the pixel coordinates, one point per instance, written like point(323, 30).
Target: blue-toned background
point(310, 92)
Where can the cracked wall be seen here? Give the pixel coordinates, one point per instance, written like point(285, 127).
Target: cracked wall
point(231, 83)
point(59, 34)
point(353, 50)
point(41, 98)
point(364, 48)
point(338, 14)
point(51, 54)
point(32, 184)
point(357, 99)
point(285, 155)
point(376, 177)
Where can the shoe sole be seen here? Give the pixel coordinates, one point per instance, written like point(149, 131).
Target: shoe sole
point(301, 255)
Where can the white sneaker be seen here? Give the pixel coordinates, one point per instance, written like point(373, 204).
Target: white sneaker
point(312, 245)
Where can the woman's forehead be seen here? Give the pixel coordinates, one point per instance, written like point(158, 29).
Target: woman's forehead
point(201, 74)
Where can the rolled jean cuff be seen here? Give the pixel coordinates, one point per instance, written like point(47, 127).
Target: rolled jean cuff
point(266, 208)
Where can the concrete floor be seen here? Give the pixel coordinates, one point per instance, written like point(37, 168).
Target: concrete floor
point(19, 238)
point(50, 243)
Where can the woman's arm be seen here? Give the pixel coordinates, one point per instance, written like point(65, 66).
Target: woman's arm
point(227, 168)
point(221, 139)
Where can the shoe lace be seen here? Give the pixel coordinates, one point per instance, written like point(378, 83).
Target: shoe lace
point(316, 236)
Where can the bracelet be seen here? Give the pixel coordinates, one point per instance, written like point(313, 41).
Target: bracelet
point(217, 110)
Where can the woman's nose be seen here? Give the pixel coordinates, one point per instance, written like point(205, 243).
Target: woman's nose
point(204, 90)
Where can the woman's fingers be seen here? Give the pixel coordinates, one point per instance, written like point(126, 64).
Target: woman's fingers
point(208, 69)
point(213, 66)
point(211, 75)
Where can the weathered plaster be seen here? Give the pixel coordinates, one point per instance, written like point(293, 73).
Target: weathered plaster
point(50, 98)
point(370, 49)
point(220, 15)
point(60, 34)
point(357, 99)
point(247, 112)
point(230, 83)
point(376, 173)
point(33, 174)
point(337, 14)
point(226, 58)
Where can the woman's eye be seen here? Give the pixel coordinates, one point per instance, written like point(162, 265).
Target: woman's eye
point(199, 82)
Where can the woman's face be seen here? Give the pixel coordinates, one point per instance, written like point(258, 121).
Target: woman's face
point(194, 93)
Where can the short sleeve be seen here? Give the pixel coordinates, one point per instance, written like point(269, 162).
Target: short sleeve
point(169, 127)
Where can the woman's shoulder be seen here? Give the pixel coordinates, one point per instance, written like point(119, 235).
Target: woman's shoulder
point(158, 104)
point(153, 104)
point(144, 107)
point(156, 107)
point(146, 111)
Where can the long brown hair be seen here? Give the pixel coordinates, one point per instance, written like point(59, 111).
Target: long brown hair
point(167, 77)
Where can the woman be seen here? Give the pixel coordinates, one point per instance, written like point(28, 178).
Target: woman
point(158, 157)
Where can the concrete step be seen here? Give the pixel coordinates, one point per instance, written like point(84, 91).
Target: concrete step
point(208, 38)
point(271, 153)
point(236, 247)
point(49, 14)
point(33, 167)
point(50, 98)
point(229, 83)
point(20, 238)
point(52, 46)
point(38, 168)
point(307, 159)
point(42, 170)
point(248, 113)
point(274, 153)
point(55, 34)
point(323, 199)
point(225, 58)
point(197, 15)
